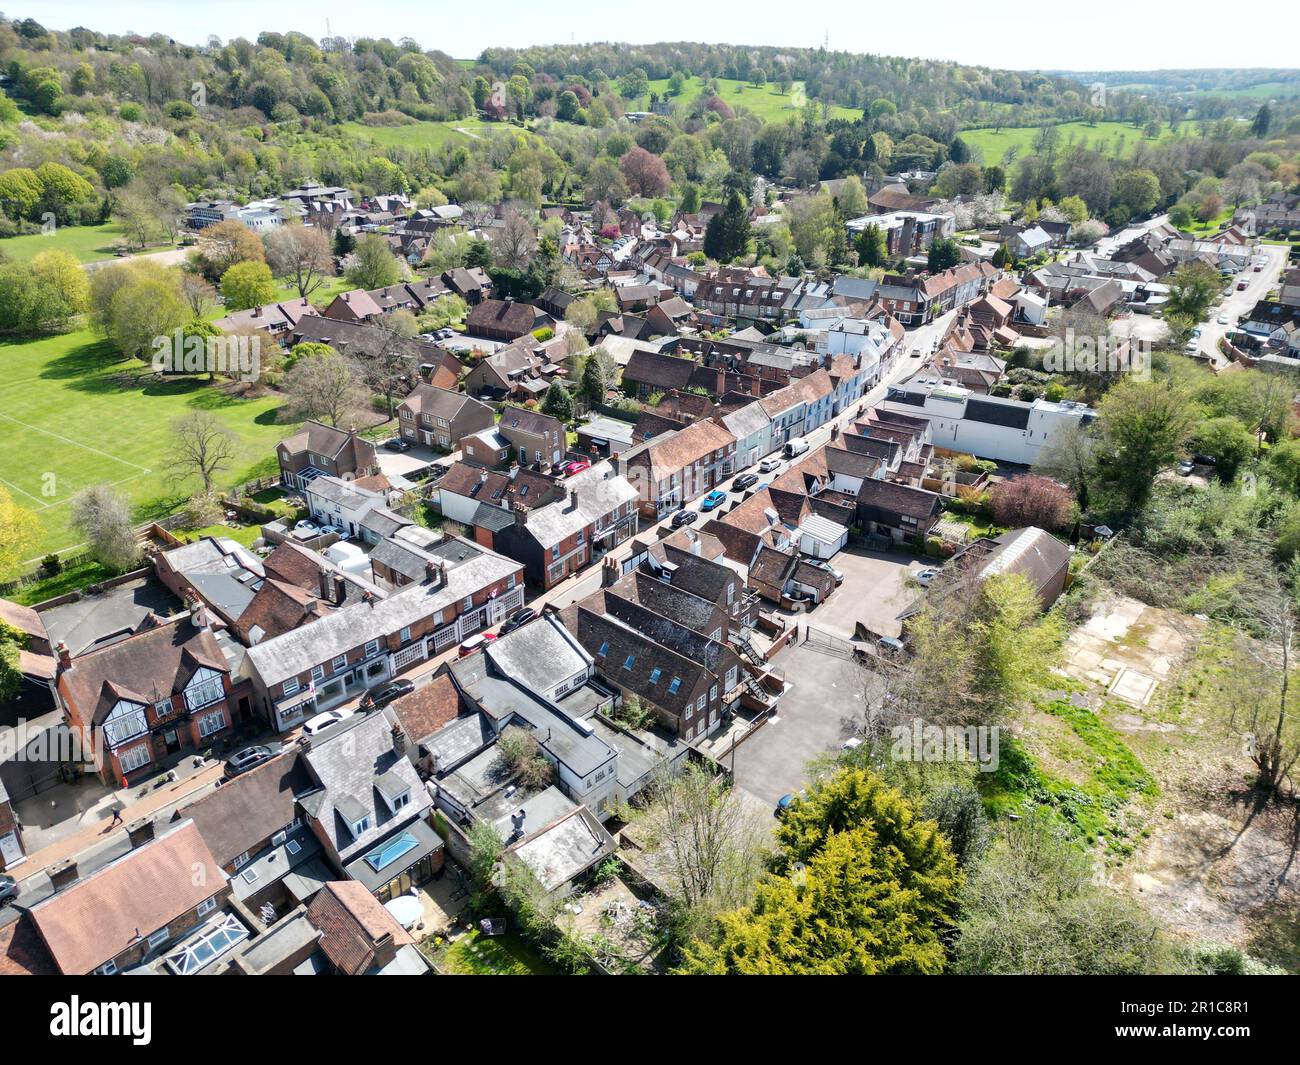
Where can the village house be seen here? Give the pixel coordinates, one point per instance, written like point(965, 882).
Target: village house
point(673, 468)
point(439, 418)
point(504, 320)
point(162, 691)
point(318, 449)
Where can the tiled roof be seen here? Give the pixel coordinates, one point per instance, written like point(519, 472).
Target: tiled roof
point(249, 809)
point(353, 923)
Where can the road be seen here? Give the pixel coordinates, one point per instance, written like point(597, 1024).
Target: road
point(169, 257)
point(1235, 306)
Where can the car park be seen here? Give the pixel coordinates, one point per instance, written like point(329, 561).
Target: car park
point(248, 758)
point(684, 517)
point(321, 722)
point(713, 500)
point(475, 643)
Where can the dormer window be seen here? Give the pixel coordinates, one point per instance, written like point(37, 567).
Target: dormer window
point(204, 687)
point(358, 827)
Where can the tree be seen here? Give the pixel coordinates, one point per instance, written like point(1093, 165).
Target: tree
point(1226, 440)
point(604, 184)
point(727, 234)
point(705, 843)
point(1192, 289)
point(246, 285)
point(200, 296)
point(202, 447)
point(143, 310)
point(644, 172)
point(1261, 122)
point(515, 241)
point(387, 371)
point(1032, 907)
point(1139, 190)
point(373, 265)
point(1031, 500)
point(1141, 429)
point(18, 531)
point(861, 885)
point(523, 758)
point(103, 518)
point(593, 384)
point(322, 387)
point(1069, 458)
point(870, 246)
point(944, 253)
point(299, 256)
point(558, 403)
point(43, 295)
point(222, 245)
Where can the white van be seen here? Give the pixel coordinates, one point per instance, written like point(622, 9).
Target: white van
point(794, 447)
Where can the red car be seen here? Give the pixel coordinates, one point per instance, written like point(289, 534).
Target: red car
point(575, 466)
point(476, 643)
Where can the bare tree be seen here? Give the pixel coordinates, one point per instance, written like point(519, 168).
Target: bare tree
point(103, 517)
point(515, 241)
point(299, 256)
point(323, 387)
point(1263, 703)
point(388, 370)
point(201, 296)
point(204, 447)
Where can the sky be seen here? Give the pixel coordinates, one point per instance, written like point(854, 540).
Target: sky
point(1011, 34)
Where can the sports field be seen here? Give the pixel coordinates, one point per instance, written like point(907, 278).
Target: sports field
point(88, 243)
point(71, 416)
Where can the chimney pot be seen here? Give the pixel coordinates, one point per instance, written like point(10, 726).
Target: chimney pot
point(62, 874)
point(65, 655)
point(140, 832)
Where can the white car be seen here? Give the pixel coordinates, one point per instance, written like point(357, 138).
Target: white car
point(321, 722)
point(1222, 319)
point(924, 576)
point(306, 529)
point(768, 465)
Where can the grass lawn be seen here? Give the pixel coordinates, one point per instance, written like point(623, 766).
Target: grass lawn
point(71, 416)
point(241, 534)
point(73, 578)
point(765, 102)
point(1110, 138)
point(424, 134)
point(87, 243)
point(480, 955)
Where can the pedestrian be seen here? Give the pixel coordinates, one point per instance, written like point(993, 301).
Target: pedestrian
point(117, 817)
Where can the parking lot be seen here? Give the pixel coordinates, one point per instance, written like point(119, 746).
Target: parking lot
point(819, 711)
point(875, 592)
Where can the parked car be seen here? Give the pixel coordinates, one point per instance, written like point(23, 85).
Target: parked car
point(1222, 319)
point(824, 565)
point(794, 447)
point(744, 481)
point(306, 529)
point(923, 577)
point(768, 465)
point(888, 645)
point(475, 643)
point(1185, 468)
point(520, 617)
point(574, 466)
point(1259, 267)
point(684, 517)
point(373, 701)
point(915, 353)
point(713, 500)
point(248, 758)
point(321, 722)
point(396, 444)
point(1243, 284)
point(1205, 460)
point(851, 744)
point(8, 890)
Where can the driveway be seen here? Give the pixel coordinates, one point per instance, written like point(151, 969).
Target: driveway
point(820, 710)
point(874, 592)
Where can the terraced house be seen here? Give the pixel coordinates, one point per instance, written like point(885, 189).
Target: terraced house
point(675, 467)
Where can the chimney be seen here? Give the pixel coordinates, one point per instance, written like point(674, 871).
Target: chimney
point(65, 656)
point(140, 832)
point(835, 431)
point(385, 950)
point(434, 573)
point(339, 588)
point(63, 874)
point(257, 312)
point(521, 515)
point(517, 823)
point(399, 740)
point(573, 499)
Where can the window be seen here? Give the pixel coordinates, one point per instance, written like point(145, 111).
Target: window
point(629, 661)
point(372, 647)
point(317, 673)
point(401, 800)
point(211, 723)
point(291, 686)
point(405, 634)
point(604, 650)
point(510, 584)
point(205, 687)
point(216, 939)
point(162, 707)
point(124, 722)
point(340, 662)
point(690, 710)
point(675, 686)
point(135, 758)
point(107, 969)
point(207, 906)
point(159, 937)
point(654, 675)
point(699, 705)
point(361, 826)
point(555, 552)
point(713, 694)
point(241, 861)
point(468, 604)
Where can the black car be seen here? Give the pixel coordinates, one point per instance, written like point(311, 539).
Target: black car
point(744, 481)
point(520, 617)
point(8, 890)
point(387, 695)
point(397, 444)
point(685, 517)
point(248, 758)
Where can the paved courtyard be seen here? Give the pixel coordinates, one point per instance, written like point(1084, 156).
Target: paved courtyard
point(874, 591)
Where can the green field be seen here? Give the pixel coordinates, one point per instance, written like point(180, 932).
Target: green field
point(765, 102)
point(1110, 138)
point(424, 134)
point(87, 243)
point(71, 416)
